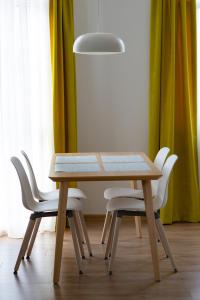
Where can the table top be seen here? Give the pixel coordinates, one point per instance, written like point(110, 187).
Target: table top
point(102, 166)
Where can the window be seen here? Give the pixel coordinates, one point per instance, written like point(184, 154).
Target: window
point(25, 102)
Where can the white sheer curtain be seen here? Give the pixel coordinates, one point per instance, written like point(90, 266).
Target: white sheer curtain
point(25, 104)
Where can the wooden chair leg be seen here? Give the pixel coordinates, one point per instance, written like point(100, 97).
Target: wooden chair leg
point(105, 227)
point(75, 243)
point(75, 217)
point(138, 226)
point(24, 244)
point(158, 235)
point(80, 214)
point(110, 236)
point(80, 226)
point(159, 239)
point(33, 236)
point(165, 243)
point(114, 244)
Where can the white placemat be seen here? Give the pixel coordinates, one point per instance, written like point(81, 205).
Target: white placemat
point(124, 167)
point(77, 168)
point(76, 159)
point(122, 158)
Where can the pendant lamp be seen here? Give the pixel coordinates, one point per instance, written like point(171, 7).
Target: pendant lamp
point(98, 43)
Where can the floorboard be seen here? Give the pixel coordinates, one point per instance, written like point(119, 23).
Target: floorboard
point(132, 277)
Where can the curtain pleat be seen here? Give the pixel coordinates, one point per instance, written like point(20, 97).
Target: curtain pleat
point(63, 75)
point(173, 102)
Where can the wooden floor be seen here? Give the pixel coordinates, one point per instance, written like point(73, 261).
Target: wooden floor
point(132, 278)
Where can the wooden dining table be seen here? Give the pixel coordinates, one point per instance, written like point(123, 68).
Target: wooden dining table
point(103, 166)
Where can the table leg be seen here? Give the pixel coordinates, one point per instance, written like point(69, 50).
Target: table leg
point(138, 222)
point(146, 184)
point(61, 222)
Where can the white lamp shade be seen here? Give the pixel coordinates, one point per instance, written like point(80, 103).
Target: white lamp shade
point(98, 43)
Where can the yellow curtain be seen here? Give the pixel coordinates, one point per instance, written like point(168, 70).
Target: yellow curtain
point(63, 75)
point(173, 102)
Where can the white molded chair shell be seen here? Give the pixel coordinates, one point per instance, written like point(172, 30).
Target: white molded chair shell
point(164, 180)
point(72, 204)
point(120, 192)
point(161, 157)
point(72, 192)
point(136, 207)
point(33, 181)
point(133, 204)
point(27, 196)
point(46, 208)
point(129, 204)
point(53, 195)
point(159, 163)
point(130, 192)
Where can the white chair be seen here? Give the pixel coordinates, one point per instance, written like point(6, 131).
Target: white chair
point(136, 207)
point(116, 192)
point(54, 195)
point(46, 209)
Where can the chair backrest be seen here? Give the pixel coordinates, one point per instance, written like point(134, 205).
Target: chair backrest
point(33, 181)
point(159, 162)
point(27, 196)
point(161, 157)
point(161, 197)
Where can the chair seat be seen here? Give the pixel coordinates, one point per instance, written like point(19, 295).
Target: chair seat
point(128, 204)
point(72, 204)
point(54, 195)
point(119, 192)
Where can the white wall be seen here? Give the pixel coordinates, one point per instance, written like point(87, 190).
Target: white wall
point(112, 91)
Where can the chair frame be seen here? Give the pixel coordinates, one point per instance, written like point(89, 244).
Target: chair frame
point(159, 162)
point(37, 216)
point(114, 234)
point(161, 197)
point(80, 221)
